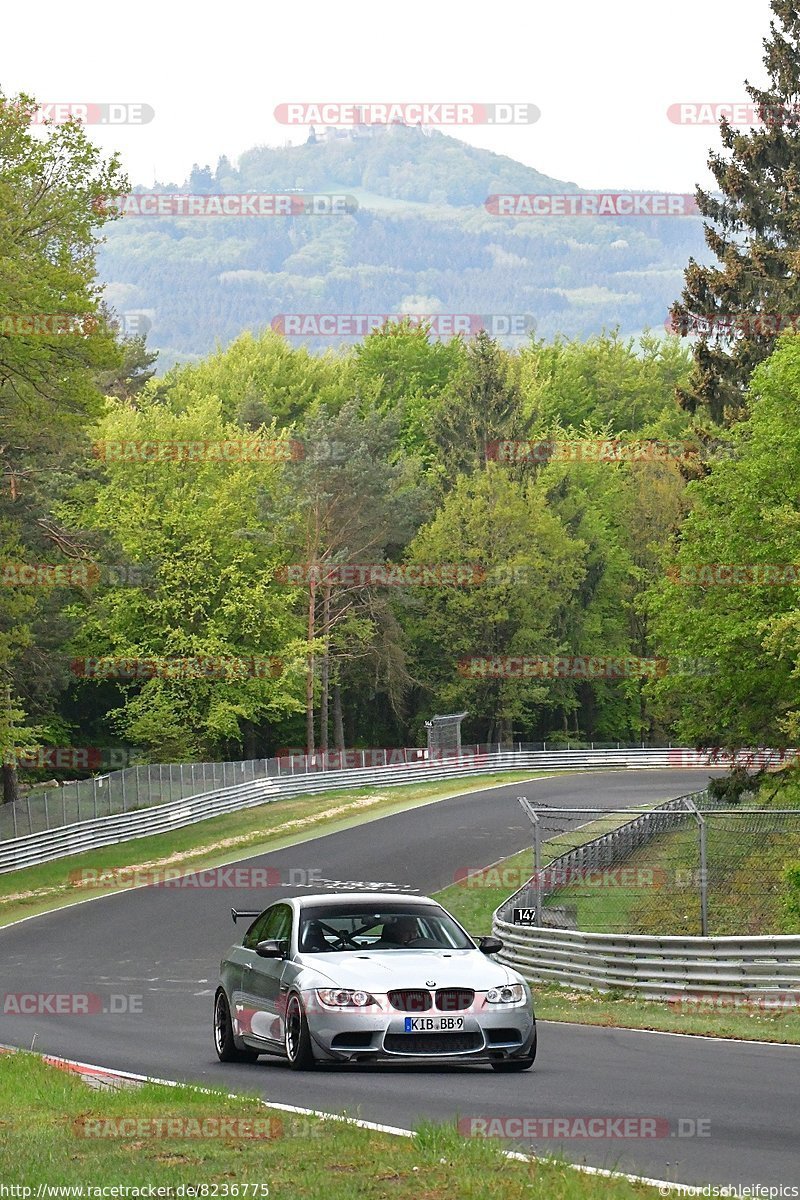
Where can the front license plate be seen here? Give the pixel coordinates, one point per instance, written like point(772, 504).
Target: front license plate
point(431, 1024)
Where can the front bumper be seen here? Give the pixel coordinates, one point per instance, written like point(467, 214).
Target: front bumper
point(487, 1035)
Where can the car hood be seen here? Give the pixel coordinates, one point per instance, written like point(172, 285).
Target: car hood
point(380, 971)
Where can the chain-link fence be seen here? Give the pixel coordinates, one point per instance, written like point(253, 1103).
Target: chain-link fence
point(122, 791)
point(159, 783)
point(689, 867)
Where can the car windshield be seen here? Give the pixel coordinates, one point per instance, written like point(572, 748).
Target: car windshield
point(328, 929)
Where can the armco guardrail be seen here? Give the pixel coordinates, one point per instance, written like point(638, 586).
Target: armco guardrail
point(148, 786)
point(655, 967)
point(760, 969)
point(105, 831)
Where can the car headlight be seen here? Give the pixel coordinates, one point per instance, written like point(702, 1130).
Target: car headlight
point(510, 993)
point(344, 998)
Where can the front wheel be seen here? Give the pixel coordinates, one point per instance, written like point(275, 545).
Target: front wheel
point(297, 1037)
point(224, 1044)
point(517, 1064)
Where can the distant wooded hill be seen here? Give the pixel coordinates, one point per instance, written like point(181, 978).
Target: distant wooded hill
point(421, 241)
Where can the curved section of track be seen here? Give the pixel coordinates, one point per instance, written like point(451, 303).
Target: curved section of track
point(163, 945)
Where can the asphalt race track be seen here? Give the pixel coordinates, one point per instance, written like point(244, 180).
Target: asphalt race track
point(163, 945)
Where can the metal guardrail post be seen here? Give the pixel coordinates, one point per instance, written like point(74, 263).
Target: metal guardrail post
point(537, 872)
point(533, 816)
point(701, 835)
point(703, 880)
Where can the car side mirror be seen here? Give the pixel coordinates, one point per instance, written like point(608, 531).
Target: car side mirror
point(271, 948)
point(490, 945)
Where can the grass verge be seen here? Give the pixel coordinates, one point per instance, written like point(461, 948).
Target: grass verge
point(629, 1012)
point(224, 839)
point(47, 1113)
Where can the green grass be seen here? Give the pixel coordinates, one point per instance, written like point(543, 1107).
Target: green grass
point(629, 1012)
point(46, 1111)
point(225, 839)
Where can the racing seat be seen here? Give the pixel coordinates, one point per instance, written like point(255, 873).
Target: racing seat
point(313, 940)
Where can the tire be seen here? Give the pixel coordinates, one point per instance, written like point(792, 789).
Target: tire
point(297, 1037)
point(224, 1043)
point(510, 1065)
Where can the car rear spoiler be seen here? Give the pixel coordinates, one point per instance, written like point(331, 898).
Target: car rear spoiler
point(245, 912)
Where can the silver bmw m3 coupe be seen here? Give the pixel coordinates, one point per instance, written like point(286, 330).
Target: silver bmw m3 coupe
point(369, 977)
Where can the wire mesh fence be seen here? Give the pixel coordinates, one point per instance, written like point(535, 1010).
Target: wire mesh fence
point(123, 791)
point(143, 786)
point(687, 868)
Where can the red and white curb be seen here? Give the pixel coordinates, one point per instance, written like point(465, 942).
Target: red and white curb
point(105, 1078)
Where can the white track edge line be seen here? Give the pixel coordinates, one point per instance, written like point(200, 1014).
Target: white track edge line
point(375, 1127)
point(704, 1037)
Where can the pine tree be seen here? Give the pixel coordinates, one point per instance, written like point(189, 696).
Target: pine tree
point(739, 307)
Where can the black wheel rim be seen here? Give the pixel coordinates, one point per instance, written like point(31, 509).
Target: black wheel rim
point(293, 1024)
point(220, 1022)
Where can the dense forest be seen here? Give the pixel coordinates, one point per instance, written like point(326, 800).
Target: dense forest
point(272, 547)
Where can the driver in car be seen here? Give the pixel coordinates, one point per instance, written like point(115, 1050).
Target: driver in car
point(402, 931)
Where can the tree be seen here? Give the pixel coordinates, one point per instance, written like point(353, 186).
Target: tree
point(481, 403)
point(53, 342)
point(753, 230)
point(128, 378)
point(593, 502)
point(356, 497)
point(745, 627)
point(263, 378)
point(15, 737)
point(614, 383)
point(402, 368)
point(212, 593)
point(532, 571)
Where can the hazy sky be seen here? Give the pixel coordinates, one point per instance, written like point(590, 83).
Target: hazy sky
point(603, 74)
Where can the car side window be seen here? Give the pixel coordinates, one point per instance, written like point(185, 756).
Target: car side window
point(256, 933)
point(279, 925)
point(275, 923)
